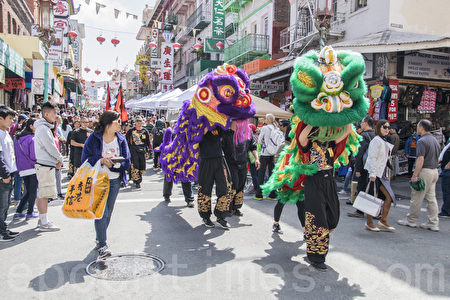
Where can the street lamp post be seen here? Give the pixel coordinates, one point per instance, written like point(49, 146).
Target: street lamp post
point(46, 35)
point(76, 73)
point(324, 16)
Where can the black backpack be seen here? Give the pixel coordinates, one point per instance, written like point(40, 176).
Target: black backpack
point(158, 137)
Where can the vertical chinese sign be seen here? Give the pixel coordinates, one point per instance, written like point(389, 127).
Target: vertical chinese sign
point(216, 44)
point(166, 67)
point(393, 105)
point(154, 34)
point(61, 13)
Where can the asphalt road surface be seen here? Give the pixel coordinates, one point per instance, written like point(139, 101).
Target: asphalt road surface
point(246, 262)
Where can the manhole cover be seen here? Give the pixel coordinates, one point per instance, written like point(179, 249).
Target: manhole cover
point(125, 267)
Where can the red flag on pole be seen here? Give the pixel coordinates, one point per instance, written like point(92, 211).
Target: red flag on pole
point(120, 106)
point(108, 99)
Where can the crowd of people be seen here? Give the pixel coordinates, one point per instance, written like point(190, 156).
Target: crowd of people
point(34, 145)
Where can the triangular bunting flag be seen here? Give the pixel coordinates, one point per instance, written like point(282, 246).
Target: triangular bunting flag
point(87, 1)
point(98, 6)
point(116, 13)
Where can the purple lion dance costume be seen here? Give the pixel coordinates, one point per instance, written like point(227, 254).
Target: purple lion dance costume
point(222, 95)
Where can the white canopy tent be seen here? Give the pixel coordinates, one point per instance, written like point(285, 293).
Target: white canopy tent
point(177, 102)
point(147, 102)
point(163, 101)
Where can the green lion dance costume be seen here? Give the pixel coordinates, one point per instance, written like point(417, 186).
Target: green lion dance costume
point(329, 96)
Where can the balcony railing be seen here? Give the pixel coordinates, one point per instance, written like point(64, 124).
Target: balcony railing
point(305, 28)
point(199, 19)
point(247, 49)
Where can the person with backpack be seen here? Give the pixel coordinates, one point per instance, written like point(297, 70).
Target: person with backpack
point(271, 138)
point(158, 134)
point(410, 151)
point(361, 174)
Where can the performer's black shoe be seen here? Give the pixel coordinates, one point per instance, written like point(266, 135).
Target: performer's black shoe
point(276, 228)
point(208, 223)
point(138, 185)
point(223, 223)
point(190, 204)
point(167, 199)
point(320, 266)
point(238, 213)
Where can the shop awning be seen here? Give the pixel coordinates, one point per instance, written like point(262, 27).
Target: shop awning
point(269, 73)
point(30, 47)
point(69, 82)
point(393, 41)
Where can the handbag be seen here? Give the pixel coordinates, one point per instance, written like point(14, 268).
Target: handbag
point(367, 203)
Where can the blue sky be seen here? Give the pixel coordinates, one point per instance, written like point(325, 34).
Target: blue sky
point(103, 57)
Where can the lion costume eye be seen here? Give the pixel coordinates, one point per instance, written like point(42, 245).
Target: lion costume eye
point(356, 85)
point(226, 91)
point(204, 95)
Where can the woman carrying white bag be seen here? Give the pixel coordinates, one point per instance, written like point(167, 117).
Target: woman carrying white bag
point(377, 160)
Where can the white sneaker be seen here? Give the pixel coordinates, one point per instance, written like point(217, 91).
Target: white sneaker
point(429, 226)
point(103, 252)
point(47, 227)
point(405, 222)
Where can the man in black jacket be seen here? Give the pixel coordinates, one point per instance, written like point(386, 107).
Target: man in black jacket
point(360, 173)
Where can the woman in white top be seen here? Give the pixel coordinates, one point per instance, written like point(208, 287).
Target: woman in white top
point(377, 160)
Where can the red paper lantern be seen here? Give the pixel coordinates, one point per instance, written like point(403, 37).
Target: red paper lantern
point(87, 70)
point(109, 73)
point(152, 45)
point(176, 46)
point(140, 81)
point(92, 81)
point(97, 72)
point(130, 82)
point(101, 39)
point(117, 82)
point(72, 34)
point(123, 73)
point(148, 73)
point(158, 71)
point(198, 46)
point(137, 73)
point(115, 42)
point(151, 79)
point(92, 85)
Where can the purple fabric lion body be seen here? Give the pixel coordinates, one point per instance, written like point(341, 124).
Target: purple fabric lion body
point(222, 95)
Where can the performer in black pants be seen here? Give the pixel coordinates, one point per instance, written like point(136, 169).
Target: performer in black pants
point(321, 199)
point(236, 156)
point(138, 140)
point(213, 169)
point(187, 192)
point(279, 209)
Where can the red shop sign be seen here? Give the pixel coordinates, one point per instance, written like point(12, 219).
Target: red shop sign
point(13, 83)
point(393, 105)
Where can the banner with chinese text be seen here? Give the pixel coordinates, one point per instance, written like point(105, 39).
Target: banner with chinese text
point(393, 105)
point(218, 20)
point(166, 63)
point(154, 38)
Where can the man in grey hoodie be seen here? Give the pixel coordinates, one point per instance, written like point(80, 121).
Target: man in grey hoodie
point(48, 158)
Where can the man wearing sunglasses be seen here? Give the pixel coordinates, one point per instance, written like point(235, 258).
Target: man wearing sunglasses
point(78, 138)
point(138, 140)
